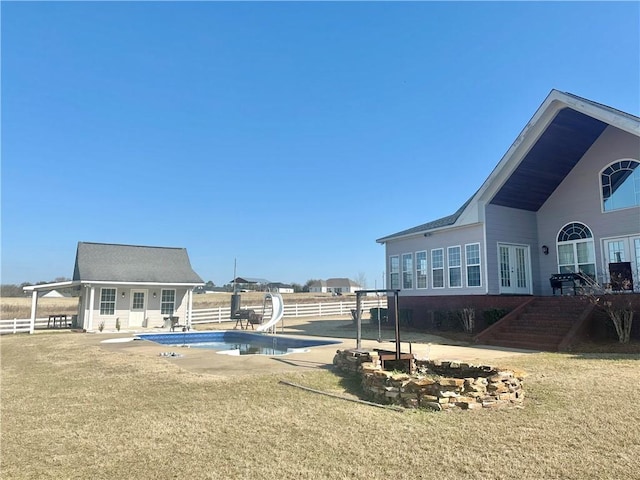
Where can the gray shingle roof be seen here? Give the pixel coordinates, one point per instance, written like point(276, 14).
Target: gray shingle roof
point(425, 227)
point(133, 263)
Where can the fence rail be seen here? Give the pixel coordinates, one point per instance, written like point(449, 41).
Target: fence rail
point(223, 314)
point(19, 325)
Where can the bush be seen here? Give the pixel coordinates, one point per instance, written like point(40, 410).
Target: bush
point(446, 320)
point(492, 315)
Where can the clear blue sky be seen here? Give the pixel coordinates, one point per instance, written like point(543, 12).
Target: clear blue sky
point(288, 136)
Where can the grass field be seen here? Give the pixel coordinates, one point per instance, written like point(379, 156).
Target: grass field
point(72, 410)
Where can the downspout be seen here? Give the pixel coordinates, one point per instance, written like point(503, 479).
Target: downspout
point(34, 308)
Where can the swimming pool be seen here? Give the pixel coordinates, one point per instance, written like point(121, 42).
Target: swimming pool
point(232, 342)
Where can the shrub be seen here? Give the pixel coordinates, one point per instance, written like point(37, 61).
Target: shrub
point(492, 315)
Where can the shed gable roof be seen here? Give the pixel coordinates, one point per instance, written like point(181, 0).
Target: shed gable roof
point(102, 262)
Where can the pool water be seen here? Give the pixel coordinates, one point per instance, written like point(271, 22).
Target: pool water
point(236, 343)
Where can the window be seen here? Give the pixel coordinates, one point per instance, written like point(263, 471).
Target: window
point(437, 268)
point(167, 302)
point(620, 183)
point(138, 301)
point(576, 251)
point(455, 266)
point(107, 301)
point(472, 259)
point(394, 272)
point(407, 270)
point(421, 269)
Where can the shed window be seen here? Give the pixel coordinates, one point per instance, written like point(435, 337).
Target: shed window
point(107, 301)
point(620, 183)
point(168, 302)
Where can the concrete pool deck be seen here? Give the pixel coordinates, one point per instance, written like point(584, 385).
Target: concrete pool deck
point(340, 329)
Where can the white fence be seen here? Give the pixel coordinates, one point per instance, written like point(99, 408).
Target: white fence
point(223, 314)
point(18, 325)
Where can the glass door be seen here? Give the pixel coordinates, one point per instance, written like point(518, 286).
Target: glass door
point(515, 269)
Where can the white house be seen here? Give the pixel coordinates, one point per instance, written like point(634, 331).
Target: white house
point(334, 285)
point(135, 285)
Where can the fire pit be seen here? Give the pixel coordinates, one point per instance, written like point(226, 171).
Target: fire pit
point(437, 385)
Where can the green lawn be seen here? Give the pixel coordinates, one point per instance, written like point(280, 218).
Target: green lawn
point(76, 411)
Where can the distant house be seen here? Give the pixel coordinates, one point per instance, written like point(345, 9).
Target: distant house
point(137, 285)
point(564, 199)
point(280, 287)
point(334, 285)
point(251, 283)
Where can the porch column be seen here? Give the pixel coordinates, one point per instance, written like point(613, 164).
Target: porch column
point(189, 307)
point(34, 309)
point(92, 296)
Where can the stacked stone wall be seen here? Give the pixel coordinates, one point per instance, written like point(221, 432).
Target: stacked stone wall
point(438, 385)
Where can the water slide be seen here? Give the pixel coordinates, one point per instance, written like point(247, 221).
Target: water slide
point(277, 311)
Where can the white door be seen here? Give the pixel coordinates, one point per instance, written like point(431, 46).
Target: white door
point(514, 269)
point(623, 249)
point(138, 308)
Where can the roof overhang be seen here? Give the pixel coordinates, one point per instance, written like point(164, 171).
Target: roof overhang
point(43, 287)
point(547, 149)
point(86, 283)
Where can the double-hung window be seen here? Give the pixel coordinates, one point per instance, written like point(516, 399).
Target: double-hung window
point(394, 272)
point(107, 301)
point(455, 266)
point(167, 302)
point(421, 270)
point(407, 270)
point(472, 259)
point(437, 268)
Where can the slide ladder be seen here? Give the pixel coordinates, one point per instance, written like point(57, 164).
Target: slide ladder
point(277, 311)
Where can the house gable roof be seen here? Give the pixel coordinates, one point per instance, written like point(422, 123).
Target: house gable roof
point(551, 144)
point(101, 262)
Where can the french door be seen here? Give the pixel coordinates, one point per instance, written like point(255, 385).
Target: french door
point(623, 249)
point(515, 269)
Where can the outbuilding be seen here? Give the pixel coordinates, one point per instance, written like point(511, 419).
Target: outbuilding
point(133, 285)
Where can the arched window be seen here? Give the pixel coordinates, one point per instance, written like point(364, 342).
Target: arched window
point(576, 250)
point(620, 183)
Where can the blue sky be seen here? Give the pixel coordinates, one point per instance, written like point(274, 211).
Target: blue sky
point(288, 135)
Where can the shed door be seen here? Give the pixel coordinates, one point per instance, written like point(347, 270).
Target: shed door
point(138, 308)
point(514, 269)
